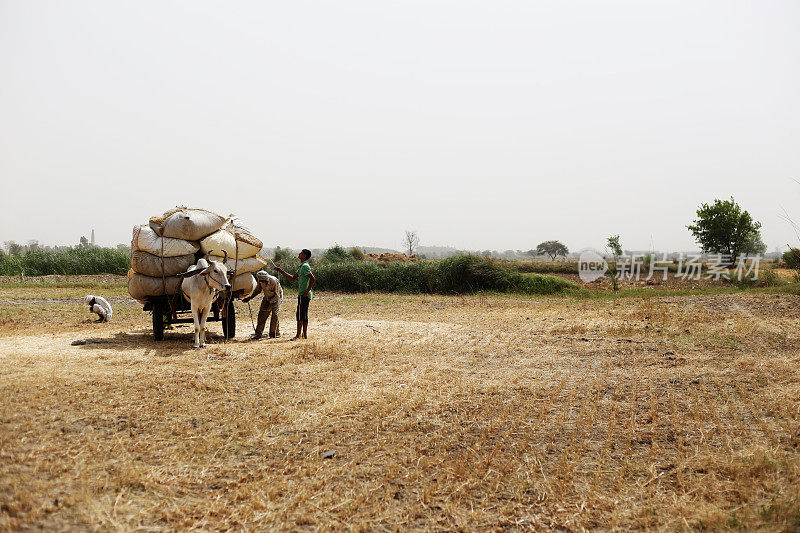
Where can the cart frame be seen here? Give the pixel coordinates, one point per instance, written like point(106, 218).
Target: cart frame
point(173, 309)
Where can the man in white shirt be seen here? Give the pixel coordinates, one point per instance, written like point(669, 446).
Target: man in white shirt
point(270, 304)
point(99, 305)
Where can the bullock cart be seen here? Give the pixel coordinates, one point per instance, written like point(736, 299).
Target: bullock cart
point(175, 309)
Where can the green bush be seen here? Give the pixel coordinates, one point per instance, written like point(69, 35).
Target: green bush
point(792, 258)
point(469, 273)
point(357, 254)
point(766, 278)
point(336, 254)
point(769, 278)
point(542, 284)
point(456, 275)
point(75, 261)
point(543, 266)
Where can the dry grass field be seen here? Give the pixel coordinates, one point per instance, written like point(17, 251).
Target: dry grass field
point(405, 412)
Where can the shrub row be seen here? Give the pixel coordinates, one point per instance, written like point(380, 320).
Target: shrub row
point(455, 275)
point(70, 262)
point(543, 266)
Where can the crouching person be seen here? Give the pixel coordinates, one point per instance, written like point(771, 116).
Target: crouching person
point(100, 306)
point(270, 304)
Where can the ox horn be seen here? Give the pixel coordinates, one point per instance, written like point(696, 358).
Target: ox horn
point(226, 255)
point(190, 273)
point(208, 254)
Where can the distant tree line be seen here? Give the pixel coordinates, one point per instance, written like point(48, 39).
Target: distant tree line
point(34, 259)
point(338, 270)
point(722, 227)
point(15, 248)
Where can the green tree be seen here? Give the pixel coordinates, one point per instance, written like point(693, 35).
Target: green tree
point(616, 252)
point(13, 248)
point(552, 248)
point(282, 254)
point(336, 254)
point(754, 245)
point(725, 228)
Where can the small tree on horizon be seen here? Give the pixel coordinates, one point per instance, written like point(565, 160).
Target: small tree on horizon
point(552, 248)
point(410, 242)
point(13, 248)
point(616, 252)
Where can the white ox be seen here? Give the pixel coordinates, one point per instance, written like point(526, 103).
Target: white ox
point(200, 286)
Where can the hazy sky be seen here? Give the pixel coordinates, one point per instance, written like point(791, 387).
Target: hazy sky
point(479, 124)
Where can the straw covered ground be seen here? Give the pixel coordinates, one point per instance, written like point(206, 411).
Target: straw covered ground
point(421, 412)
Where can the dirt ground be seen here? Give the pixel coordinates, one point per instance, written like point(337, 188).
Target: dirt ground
point(470, 413)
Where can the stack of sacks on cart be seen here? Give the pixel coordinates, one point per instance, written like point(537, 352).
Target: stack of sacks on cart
point(174, 241)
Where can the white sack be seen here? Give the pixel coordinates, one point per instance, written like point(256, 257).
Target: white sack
point(248, 264)
point(225, 241)
point(146, 240)
point(237, 224)
point(244, 282)
point(141, 286)
point(187, 223)
point(152, 265)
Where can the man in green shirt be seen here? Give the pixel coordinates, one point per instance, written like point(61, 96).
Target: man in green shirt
point(305, 284)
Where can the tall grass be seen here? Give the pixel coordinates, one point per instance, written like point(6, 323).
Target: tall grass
point(455, 275)
point(545, 266)
point(74, 261)
point(542, 266)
